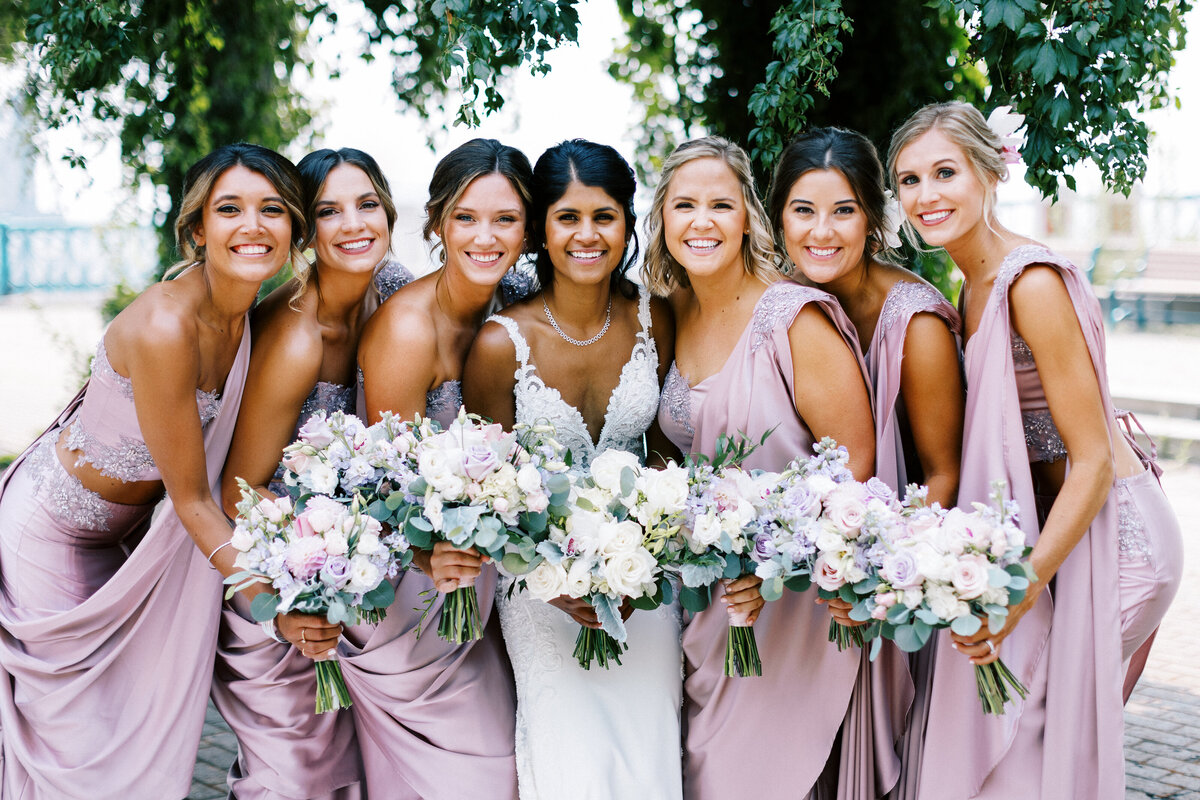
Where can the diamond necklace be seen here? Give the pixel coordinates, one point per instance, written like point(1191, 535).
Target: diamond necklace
point(578, 342)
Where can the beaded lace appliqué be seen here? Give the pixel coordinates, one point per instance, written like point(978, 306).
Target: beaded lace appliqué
point(1041, 434)
point(128, 460)
point(905, 299)
point(677, 396)
point(781, 301)
point(390, 277)
point(444, 399)
point(69, 500)
point(631, 406)
point(1131, 528)
point(516, 285)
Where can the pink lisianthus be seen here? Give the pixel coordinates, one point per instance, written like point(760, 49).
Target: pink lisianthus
point(306, 556)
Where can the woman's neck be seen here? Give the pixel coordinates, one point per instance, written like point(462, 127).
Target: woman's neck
point(340, 295)
point(724, 290)
point(578, 307)
point(462, 302)
point(979, 253)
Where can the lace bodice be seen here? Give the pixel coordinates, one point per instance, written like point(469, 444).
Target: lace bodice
point(631, 406)
point(905, 299)
point(442, 403)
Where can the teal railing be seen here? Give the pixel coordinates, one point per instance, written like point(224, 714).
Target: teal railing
point(47, 256)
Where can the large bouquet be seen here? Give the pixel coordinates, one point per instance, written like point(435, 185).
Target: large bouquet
point(821, 526)
point(949, 569)
point(721, 518)
point(321, 556)
point(611, 547)
point(475, 486)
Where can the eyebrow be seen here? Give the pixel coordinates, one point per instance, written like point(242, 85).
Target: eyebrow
point(572, 210)
point(362, 196)
point(836, 202)
point(225, 197)
point(713, 200)
point(461, 209)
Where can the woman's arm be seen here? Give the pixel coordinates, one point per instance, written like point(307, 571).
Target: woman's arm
point(830, 390)
point(932, 387)
point(285, 363)
point(489, 376)
point(1043, 314)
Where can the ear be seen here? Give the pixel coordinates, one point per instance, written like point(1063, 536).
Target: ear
point(197, 235)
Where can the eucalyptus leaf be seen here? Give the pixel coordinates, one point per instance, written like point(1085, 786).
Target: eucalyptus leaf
point(264, 606)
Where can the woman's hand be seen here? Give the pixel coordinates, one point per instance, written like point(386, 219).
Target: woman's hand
point(840, 610)
point(450, 567)
point(311, 634)
point(976, 647)
point(742, 597)
point(577, 609)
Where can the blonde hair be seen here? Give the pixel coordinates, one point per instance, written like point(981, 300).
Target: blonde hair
point(197, 188)
point(661, 273)
point(964, 125)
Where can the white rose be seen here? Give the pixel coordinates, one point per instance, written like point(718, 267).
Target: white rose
point(529, 479)
point(583, 531)
point(620, 537)
point(821, 485)
point(831, 541)
point(706, 531)
point(666, 489)
point(953, 533)
point(970, 576)
point(433, 510)
point(943, 602)
point(579, 578)
point(627, 573)
point(368, 543)
point(322, 479)
point(364, 575)
point(932, 564)
point(608, 466)
point(546, 582)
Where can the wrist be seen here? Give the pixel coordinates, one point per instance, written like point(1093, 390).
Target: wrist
point(272, 631)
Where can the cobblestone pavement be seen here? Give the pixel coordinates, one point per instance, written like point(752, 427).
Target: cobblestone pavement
point(1162, 719)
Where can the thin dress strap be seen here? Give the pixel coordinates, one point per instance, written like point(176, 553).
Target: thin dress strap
point(514, 333)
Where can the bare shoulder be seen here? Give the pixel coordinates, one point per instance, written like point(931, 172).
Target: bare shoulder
point(159, 325)
point(1038, 283)
point(662, 314)
point(493, 344)
point(287, 331)
point(405, 317)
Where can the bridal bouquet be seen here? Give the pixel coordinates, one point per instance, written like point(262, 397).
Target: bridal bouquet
point(949, 569)
point(611, 547)
point(822, 526)
point(721, 518)
point(475, 486)
point(321, 556)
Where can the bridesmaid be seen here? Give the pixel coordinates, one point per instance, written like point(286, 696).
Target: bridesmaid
point(109, 616)
point(752, 353)
point(829, 210)
point(1106, 545)
point(305, 337)
point(583, 354)
point(435, 720)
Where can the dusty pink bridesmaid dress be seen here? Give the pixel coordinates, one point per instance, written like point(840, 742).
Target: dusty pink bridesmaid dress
point(768, 737)
point(108, 615)
point(1065, 739)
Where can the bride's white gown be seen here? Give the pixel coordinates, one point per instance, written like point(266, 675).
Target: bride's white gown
point(599, 733)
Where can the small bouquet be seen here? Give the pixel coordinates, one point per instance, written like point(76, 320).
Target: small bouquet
point(947, 569)
point(611, 547)
point(721, 519)
point(323, 555)
point(328, 457)
point(822, 526)
point(474, 485)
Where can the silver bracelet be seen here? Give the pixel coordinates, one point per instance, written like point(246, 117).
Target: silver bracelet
point(272, 631)
point(216, 550)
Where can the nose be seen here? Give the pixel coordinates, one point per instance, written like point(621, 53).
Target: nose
point(823, 228)
point(701, 219)
point(253, 221)
point(587, 231)
point(351, 219)
point(485, 234)
point(929, 192)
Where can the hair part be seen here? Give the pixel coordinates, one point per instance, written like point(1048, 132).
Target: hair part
point(462, 165)
point(844, 151)
point(661, 273)
point(594, 165)
point(197, 188)
point(964, 125)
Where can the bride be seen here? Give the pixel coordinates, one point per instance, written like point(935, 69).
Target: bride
point(587, 354)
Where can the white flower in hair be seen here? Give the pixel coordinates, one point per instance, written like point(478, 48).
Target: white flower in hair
point(892, 219)
point(1005, 123)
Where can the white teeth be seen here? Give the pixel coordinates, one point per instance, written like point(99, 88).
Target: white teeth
point(823, 251)
point(485, 258)
point(355, 246)
point(936, 216)
point(702, 244)
point(251, 249)
point(586, 253)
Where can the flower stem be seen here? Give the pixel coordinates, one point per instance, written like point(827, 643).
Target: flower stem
point(741, 653)
point(598, 645)
point(844, 636)
point(460, 616)
point(993, 681)
point(332, 693)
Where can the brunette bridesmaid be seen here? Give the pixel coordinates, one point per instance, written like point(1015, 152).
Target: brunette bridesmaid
point(436, 720)
point(830, 212)
point(305, 337)
point(1106, 545)
point(110, 616)
point(753, 352)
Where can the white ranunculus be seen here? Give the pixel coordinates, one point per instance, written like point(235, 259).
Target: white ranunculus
point(995, 595)
point(933, 564)
point(627, 573)
point(546, 582)
point(706, 530)
point(944, 603)
point(335, 543)
point(368, 543)
point(364, 575)
point(607, 468)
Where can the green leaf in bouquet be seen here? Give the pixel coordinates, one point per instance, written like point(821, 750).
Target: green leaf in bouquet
point(928, 617)
point(301, 503)
point(378, 509)
point(585, 504)
point(519, 564)
point(899, 614)
point(558, 484)
point(866, 585)
point(922, 630)
point(996, 621)
point(701, 572)
point(733, 566)
point(418, 487)
point(618, 509)
point(487, 532)
point(264, 606)
point(798, 583)
point(998, 578)
point(628, 481)
point(645, 603)
point(846, 592)
point(381, 596)
point(876, 646)
point(534, 522)
point(695, 598)
point(608, 612)
point(667, 588)
point(649, 602)
point(418, 535)
point(966, 625)
point(1016, 595)
point(771, 588)
point(394, 500)
point(860, 612)
point(417, 521)
point(338, 612)
point(907, 639)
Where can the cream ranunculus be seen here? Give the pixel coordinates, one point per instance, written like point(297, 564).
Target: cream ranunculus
point(943, 602)
point(364, 575)
point(368, 543)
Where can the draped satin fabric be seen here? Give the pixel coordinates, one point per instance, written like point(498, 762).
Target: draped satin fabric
point(106, 699)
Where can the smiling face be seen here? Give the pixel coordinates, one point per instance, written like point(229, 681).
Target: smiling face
point(351, 225)
point(484, 233)
point(824, 227)
point(244, 228)
point(704, 218)
point(941, 195)
point(585, 234)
